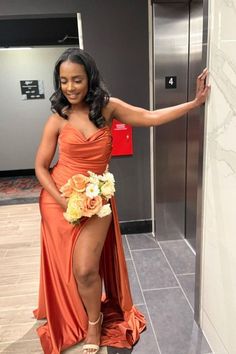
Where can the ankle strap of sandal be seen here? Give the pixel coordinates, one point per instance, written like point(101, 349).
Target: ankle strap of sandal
point(96, 322)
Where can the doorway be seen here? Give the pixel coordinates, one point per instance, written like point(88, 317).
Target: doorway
point(178, 38)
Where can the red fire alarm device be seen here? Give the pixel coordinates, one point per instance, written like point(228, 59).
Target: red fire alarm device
point(122, 139)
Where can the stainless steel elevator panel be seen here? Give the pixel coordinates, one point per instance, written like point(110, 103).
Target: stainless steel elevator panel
point(178, 31)
point(193, 124)
point(171, 22)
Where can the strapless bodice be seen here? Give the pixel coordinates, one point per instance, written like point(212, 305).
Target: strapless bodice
point(78, 154)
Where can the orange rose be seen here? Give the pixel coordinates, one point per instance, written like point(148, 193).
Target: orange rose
point(92, 206)
point(80, 182)
point(67, 188)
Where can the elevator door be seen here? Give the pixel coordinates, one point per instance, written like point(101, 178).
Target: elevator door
point(177, 57)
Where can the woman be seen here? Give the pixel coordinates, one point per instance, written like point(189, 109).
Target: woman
point(77, 259)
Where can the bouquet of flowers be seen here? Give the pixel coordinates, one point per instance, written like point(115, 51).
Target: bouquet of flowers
point(88, 195)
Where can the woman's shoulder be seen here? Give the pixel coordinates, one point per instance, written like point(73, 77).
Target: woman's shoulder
point(56, 118)
point(108, 110)
point(113, 102)
point(55, 123)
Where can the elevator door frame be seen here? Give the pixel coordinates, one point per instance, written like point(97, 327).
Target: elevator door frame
point(200, 160)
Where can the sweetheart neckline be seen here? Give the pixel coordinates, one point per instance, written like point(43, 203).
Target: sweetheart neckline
point(81, 134)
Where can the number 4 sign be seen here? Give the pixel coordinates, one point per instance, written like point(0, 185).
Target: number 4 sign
point(170, 82)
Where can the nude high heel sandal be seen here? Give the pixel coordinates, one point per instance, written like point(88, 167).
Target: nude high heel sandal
point(93, 348)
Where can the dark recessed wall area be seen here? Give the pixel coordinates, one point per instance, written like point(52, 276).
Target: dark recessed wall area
point(38, 31)
point(115, 33)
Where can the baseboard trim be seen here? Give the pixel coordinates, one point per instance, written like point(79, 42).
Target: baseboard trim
point(136, 226)
point(14, 201)
point(17, 173)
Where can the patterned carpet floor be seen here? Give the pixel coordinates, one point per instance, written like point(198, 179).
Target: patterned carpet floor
point(19, 190)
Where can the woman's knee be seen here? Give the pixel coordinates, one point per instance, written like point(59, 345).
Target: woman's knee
point(86, 276)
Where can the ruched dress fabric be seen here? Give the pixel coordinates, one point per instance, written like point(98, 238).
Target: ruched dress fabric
point(59, 300)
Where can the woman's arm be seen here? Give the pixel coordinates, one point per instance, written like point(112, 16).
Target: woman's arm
point(138, 117)
point(44, 157)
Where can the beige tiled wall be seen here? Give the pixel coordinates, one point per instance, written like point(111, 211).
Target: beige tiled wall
point(218, 315)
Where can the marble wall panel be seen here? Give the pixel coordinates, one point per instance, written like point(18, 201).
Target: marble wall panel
point(219, 211)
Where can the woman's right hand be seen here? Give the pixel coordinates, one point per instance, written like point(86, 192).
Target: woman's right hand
point(64, 203)
point(202, 89)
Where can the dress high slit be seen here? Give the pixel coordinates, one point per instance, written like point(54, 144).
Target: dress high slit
point(59, 301)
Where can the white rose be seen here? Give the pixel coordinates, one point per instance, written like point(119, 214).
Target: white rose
point(108, 189)
point(94, 180)
point(104, 211)
point(92, 190)
point(110, 177)
point(107, 176)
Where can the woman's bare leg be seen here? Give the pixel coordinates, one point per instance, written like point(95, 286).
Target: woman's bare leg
point(86, 259)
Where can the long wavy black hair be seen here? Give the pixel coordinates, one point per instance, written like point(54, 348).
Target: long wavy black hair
point(97, 96)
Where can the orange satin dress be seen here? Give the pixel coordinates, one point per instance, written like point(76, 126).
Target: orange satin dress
point(59, 300)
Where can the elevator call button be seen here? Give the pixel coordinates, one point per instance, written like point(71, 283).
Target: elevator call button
point(170, 82)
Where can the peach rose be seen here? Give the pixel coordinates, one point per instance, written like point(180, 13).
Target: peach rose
point(92, 206)
point(80, 182)
point(67, 189)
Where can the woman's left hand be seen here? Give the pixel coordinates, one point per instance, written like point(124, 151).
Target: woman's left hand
point(202, 90)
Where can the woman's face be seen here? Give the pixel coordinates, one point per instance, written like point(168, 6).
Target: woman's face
point(73, 82)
